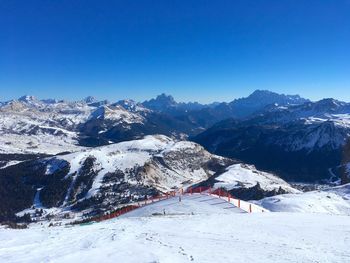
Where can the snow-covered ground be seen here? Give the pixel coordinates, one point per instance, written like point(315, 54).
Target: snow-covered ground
point(214, 237)
point(200, 228)
point(335, 200)
point(187, 205)
point(28, 125)
point(245, 175)
point(36, 144)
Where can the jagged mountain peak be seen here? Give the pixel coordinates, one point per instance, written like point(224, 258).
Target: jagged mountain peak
point(161, 102)
point(330, 102)
point(260, 92)
point(115, 113)
point(131, 105)
point(166, 98)
point(266, 96)
point(28, 99)
point(89, 99)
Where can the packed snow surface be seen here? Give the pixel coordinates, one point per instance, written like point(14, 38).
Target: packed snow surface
point(234, 237)
point(187, 204)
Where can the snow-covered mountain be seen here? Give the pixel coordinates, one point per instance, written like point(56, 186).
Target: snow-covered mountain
point(260, 99)
point(243, 176)
point(310, 112)
point(117, 114)
point(50, 126)
point(167, 103)
point(32, 126)
point(28, 125)
point(247, 183)
point(132, 105)
point(103, 177)
point(205, 115)
point(241, 107)
point(302, 142)
point(294, 132)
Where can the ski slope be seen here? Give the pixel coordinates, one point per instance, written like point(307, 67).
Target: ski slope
point(333, 200)
point(199, 228)
point(199, 204)
point(218, 237)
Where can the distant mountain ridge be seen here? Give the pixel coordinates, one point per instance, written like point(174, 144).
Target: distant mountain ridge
point(91, 155)
point(69, 125)
point(205, 115)
point(285, 127)
point(300, 142)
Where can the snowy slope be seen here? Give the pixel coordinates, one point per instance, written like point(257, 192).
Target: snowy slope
point(312, 112)
point(265, 237)
point(127, 156)
point(103, 178)
point(186, 205)
point(247, 176)
point(28, 125)
point(117, 114)
point(335, 200)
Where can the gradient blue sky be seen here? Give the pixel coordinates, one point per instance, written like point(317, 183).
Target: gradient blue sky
point(193, 49)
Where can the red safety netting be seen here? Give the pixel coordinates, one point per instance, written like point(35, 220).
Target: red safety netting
point(220, 192)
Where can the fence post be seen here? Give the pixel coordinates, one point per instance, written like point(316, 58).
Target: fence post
point(239, 203)
point(250, 208)
point(228, 196)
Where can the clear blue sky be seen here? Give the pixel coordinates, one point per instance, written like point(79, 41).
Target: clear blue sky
point(193, 49)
